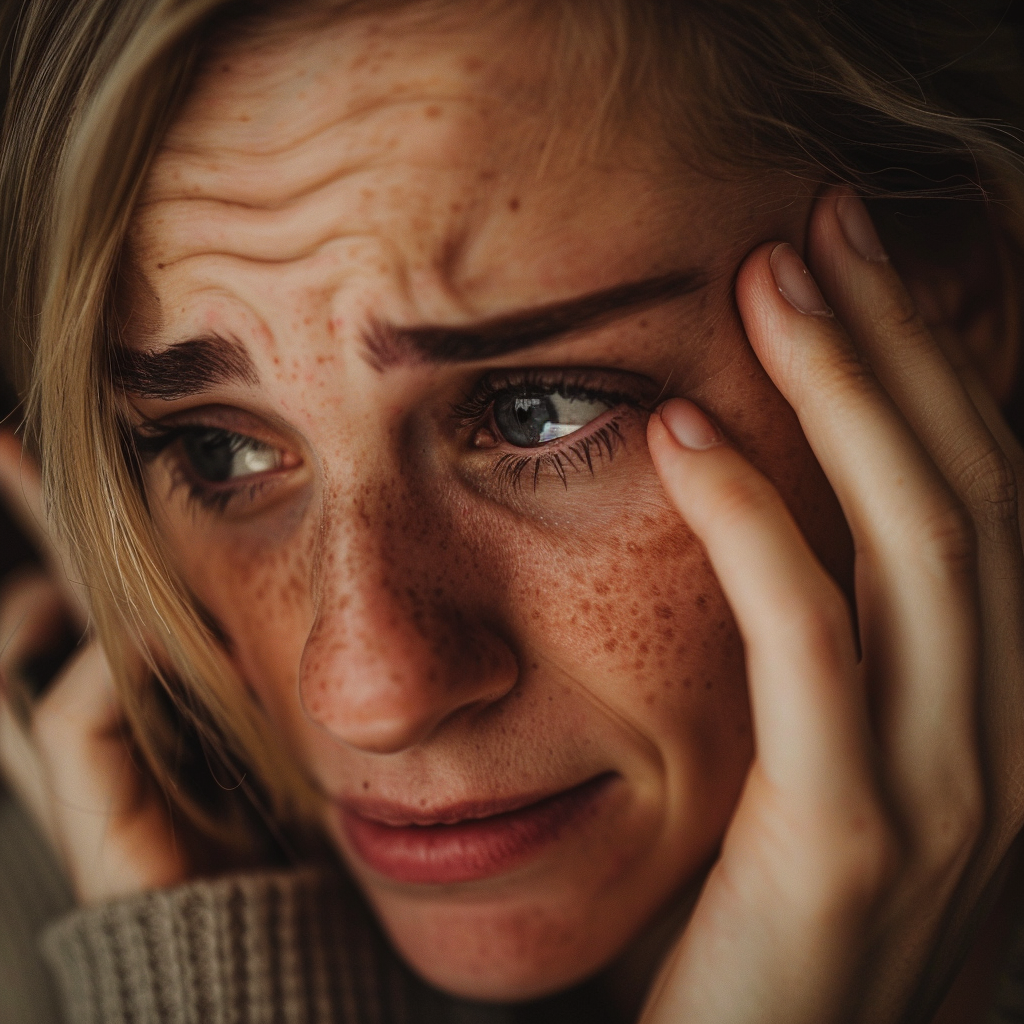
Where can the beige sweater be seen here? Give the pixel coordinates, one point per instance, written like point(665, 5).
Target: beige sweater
point(291, 947)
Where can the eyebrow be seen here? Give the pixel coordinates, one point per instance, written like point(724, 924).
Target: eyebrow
point(387, 345)
point(183, 369)
point(191, 367)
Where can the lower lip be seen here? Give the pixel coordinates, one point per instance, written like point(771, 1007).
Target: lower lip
point(475, 849)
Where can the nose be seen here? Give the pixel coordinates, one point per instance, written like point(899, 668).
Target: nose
point(392, 653)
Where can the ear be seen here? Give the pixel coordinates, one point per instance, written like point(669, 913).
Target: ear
point(966, 274)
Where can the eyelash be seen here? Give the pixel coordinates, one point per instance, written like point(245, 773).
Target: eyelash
point(576, 454)
point(152, 439)
point(579, 455)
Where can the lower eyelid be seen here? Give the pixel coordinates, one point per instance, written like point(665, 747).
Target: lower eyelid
point(516, 468)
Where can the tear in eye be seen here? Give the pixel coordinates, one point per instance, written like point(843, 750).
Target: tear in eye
point(219, 455)
point(529, 421)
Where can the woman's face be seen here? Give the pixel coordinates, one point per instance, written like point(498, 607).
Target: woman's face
point(400, 335)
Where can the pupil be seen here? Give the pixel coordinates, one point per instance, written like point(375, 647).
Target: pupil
point(522, 420)
point(212, 454)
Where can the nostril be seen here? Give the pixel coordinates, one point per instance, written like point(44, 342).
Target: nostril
point(388, 692)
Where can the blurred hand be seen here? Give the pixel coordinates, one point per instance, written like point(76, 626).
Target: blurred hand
point(66, 752)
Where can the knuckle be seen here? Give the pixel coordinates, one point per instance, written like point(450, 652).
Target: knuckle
point(956, 827)
point(859, 864)
point(988, 487)
point(901, 317)
point(948, 543)
point(843, 373)
point(743, 497)
point(822, 623)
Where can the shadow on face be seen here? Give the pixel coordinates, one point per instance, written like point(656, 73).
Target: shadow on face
point(411, 351)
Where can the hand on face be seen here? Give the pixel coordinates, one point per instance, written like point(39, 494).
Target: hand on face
point(882, 801)
point(67, 754)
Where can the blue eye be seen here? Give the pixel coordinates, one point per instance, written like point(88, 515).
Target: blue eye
point(533, 420)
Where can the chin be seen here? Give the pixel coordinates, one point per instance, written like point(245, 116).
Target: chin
point(502, 953)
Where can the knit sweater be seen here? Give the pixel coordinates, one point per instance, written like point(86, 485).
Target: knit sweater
point(281, 947)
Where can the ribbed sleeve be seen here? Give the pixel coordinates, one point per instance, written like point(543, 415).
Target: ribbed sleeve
point(280, 948)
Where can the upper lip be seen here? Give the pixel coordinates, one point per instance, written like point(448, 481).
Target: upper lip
point(399, 815)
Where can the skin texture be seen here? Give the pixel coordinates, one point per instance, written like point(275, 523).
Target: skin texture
point(416, 629)
point(421, 630)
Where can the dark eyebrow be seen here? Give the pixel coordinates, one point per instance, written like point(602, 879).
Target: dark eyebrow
point(183, 369)
point(191, 367)
point(387, 345)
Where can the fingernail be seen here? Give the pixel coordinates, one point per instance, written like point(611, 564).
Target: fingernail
point(860, 229)
point(689, 425)
point(795, 283)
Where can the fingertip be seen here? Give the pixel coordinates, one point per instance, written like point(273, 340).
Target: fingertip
point(688, 425)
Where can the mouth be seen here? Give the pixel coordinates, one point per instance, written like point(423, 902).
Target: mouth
point(469, 841)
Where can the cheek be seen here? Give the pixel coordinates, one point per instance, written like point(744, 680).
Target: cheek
point(255, 583)
point(634, 621)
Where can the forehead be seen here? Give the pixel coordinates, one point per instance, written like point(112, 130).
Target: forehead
point(433, 153)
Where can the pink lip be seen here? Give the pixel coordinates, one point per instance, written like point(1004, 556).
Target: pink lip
point(464, 842)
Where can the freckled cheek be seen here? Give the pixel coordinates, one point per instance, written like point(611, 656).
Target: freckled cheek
point(259, 595)
point(642, 625)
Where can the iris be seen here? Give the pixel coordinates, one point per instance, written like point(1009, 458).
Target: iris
point(529, 421)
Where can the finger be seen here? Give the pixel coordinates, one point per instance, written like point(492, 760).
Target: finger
point(27, 604)
point(36, 636)
point(915, 555)
point(882, 317)
point(809, 848)
point(807, 707)
point(112, 822)
point(21, 492)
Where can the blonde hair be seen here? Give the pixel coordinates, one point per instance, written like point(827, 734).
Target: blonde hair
point(899, 99)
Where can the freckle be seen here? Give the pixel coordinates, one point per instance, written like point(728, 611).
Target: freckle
point(513, 204)
point(611, 644)
point(584, 607)
point(663, 611)
point(638, 664)
point(643, 323)
point(244, 117)
point(649, 699)
point(708, 685)
point(634, 635)
point(433, 112)
point(601, 589)
point(160, 266)
point(366, 785)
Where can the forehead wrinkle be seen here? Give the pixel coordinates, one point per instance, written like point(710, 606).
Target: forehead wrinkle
point(348, 119)
point(254, 173)
point(272, 184)
point(186, 227)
